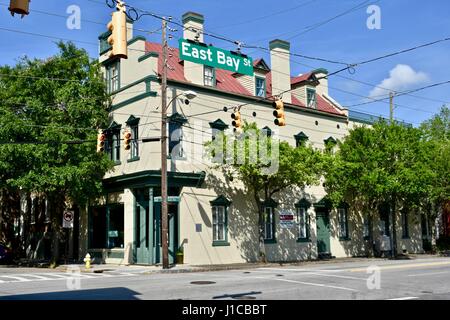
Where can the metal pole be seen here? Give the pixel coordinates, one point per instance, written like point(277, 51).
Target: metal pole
point(391, 107)
point(164, 210)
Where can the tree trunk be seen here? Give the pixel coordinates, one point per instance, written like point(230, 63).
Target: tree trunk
point(261, 246)
point(394, 227)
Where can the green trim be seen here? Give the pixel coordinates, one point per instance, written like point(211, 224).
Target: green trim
point(344, 239)
point(221, 243)
point(135, 39)
point(267, 130)
point(177, 118)
point(132, 121)
point(330, 140)
point(265, 88)
point(323, 203)
point(134, 159)
point(320, 70)
point(132, 100)
point(117, 163)
point(269, 241)
point(148, 55)
point(220, 201)
point(149, 178)
point(219, 125)
point(193, 16)
point(279, 44)
point(146, 79)
point(300, 138)
point(303, 240)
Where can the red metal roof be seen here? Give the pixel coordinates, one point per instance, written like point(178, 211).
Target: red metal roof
point(228, 83)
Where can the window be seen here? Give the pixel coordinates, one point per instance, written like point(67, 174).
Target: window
point(176, 137)
point(303, 223)
point(112, 146)
point(209, 76)
point(300, 139)
point(330, 143)
point(260, 87)
point(366, 227)
point(343, 223)
point(220, 221)
point(269, 224)
point(112, 77)
point(135, 142)
point(115, 154)
point(405, 231)
point(311, 98)
point(217, 127)
point(116, 226)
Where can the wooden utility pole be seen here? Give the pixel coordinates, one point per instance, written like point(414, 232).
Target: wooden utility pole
point(164, 209)
point(391, 107)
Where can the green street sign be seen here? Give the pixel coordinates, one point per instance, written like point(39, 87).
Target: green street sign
point(215, 57)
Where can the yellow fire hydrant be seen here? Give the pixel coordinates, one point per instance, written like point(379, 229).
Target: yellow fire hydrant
point(87, 260)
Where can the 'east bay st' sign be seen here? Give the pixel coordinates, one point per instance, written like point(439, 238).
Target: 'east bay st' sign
point(215, 57)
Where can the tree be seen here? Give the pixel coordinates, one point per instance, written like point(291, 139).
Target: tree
point(387, 164)
point(44, 105)
point(265, 174)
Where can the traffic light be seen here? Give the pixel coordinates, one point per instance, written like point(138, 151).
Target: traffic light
point(118, 37)
point(127, 140)
point(236, 116)
point(278, 113)
point(19, 7)
point(101, 138)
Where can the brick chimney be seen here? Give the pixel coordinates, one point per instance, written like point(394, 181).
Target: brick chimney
point(281, 68)
point(193, 30)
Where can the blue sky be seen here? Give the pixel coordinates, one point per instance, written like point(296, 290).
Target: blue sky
point(404, 24)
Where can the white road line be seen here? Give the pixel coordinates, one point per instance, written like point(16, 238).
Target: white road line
point(427, 274)
point(404, 298)
point(336, 276)
point(127, 274)
point(308, 283)
point(19, 279)
point(303, 270)
point(35, 276)
point(317, 284)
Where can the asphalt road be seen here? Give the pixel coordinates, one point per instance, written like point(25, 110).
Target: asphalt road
point(401, 280)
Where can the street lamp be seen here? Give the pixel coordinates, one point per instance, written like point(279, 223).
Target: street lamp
point(189, 95)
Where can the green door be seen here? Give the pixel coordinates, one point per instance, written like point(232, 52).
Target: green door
point(173, 232)
point(323, 232)
point(143, 226)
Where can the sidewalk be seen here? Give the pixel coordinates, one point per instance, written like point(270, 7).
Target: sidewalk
point(183, 268)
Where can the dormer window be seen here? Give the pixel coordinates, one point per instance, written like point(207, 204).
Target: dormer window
point(311, 98)
point(260, 87)
point(209, 76)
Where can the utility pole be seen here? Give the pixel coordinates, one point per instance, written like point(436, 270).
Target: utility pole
point(164, 209)
point(391, 107)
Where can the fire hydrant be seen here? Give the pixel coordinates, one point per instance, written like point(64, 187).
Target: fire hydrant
point(87, 260)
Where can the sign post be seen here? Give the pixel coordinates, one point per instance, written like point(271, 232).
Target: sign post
point(215, 57)
point(68, 219)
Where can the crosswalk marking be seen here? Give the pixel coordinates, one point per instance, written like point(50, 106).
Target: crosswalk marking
point(42, 276)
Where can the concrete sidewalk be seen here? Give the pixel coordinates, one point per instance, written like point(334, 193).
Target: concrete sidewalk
point(184, 268)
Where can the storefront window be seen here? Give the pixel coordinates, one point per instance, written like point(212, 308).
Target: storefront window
point(115, 232)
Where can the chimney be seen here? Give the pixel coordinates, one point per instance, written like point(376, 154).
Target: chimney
point(281, 68)
point(193, 30)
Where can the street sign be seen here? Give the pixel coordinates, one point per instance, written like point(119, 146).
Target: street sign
point(169, 199)
point(215, 57)
point(68, 219)
point(287, 219)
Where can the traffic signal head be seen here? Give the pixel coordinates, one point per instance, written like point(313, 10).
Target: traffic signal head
point(19, 7)
point(101, 138)
point(118, 38)
point(278, 113)
point(127, 140)
point(236, 116)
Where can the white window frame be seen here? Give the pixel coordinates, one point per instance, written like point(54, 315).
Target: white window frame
point(269, 215)
point(209, 79)
point(343, 223)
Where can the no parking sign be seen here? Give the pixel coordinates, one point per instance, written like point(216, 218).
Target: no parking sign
point(68, 219)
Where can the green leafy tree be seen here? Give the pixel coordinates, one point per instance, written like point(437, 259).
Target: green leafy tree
point(50, 111)
point(265, 174)
point(387, 164)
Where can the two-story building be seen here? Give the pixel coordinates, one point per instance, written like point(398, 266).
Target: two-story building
point(211, 216)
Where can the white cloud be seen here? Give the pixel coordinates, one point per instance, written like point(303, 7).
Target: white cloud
point(401, 78)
